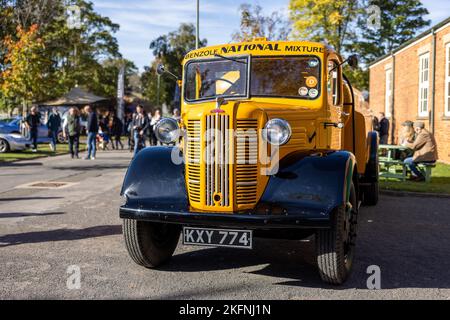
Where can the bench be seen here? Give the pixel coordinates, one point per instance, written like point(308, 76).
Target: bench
point(426, 169)
point(391, 168)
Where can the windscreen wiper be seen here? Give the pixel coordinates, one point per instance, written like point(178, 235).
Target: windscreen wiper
point(231, 59)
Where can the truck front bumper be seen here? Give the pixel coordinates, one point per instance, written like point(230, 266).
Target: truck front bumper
point(305, 220)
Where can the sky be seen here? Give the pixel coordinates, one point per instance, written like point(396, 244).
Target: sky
point(141, 21)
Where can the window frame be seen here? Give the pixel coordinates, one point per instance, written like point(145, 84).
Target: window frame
point(388, 87)
point(424, 86)
point(290, 97)
point(228, 97)
point(249, 70)
point(330, 97)
point(447, 80)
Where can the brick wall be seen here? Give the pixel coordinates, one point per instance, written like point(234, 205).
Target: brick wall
point(406, 88)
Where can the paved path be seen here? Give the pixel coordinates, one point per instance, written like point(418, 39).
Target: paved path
point(43, 232)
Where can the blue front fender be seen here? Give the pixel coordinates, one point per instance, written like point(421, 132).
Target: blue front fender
point(309, 185)
point(154, 180)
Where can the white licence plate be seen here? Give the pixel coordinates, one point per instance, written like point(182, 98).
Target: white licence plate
point(218, 237)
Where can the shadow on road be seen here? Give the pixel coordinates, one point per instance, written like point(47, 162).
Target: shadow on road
point(28, 198)
point(19, 164)
point(95, 167)
point(409, 240)
point(26, 214)
point(59, 235)
point(293, 260)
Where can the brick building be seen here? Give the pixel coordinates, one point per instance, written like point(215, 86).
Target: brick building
point(413, 83)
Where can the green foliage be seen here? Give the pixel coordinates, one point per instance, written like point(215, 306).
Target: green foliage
point(327, 21)
point(440, 182)
point(24, 73)
point(254, 24)
point(67, 57)
point(149, 80)
point(348, 27)
point(359, 77)
point(170, 50)
point(400, 21)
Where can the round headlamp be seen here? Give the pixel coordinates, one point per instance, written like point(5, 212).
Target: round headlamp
point(277, 132)
point(167, 130)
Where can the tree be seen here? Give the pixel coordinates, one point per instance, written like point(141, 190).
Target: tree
point(399, 21)
point(170, 50)
point(149, 80)
point(327, 21)
point(73, 56)
point(77, 54)
point(255, 24)
point(24, 74)
point(105, 81)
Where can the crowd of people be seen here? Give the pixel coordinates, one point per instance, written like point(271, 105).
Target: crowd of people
point(102, 130)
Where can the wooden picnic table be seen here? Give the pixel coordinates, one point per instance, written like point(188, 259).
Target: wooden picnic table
point(389, 166)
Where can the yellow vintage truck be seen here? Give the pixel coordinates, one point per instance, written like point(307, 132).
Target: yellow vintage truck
point(269, 145)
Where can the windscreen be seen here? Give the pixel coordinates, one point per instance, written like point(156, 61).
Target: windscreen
point(209, 79)
point(290, 77)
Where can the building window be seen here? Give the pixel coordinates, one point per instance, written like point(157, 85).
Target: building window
point(424, 76)
point(388, 93)
point(447, 80)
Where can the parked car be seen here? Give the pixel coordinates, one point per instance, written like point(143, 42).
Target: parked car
point(13, 126)
point(13, 142)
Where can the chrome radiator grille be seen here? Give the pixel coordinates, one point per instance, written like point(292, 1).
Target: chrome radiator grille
point(246, 161)
point(193, 159)
point(217, 160)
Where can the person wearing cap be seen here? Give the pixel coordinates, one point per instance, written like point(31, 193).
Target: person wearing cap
point(425, 151)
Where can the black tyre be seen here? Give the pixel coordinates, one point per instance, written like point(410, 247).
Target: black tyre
point(61, 138)
point(335, 246)
point(371, 194)
point(150, 244)
point(4, 146)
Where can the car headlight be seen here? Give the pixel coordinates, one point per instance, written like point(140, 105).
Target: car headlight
point(277, 132)
point(167, 130)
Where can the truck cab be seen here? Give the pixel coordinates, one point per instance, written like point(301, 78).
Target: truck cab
point(269, 145)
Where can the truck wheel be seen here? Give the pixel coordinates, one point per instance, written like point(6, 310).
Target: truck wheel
point(335, 246)
point(371, 193)
point(150, 244)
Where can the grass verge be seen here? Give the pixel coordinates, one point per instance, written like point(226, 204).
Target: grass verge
point(440, 182)
point(43, 151)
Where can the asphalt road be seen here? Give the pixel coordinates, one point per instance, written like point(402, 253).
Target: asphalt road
point(44, 232)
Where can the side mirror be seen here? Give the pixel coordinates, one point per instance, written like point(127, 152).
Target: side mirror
point(160, 69)
point(353, 61)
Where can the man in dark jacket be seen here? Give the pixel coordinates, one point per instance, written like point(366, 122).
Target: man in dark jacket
point(72, 127)
point(383, 129)
point(92, 130)
point(32, 122)
point(53, 124)
point(140, 126)
point(116, 132)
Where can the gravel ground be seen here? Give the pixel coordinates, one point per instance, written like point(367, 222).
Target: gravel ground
point(44, 232)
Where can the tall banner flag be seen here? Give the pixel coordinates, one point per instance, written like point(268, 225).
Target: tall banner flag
point(121, 93)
